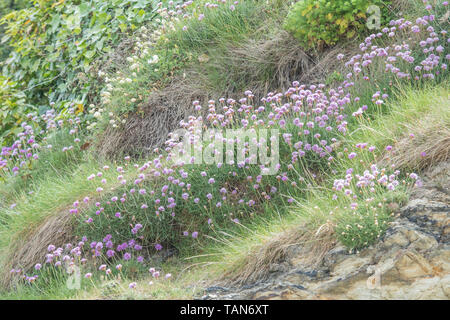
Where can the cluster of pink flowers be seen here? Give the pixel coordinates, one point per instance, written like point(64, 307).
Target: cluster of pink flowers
point(25, 150)
point(405, 59)
point(20, 273)
point(369, 181)
point(89, 257)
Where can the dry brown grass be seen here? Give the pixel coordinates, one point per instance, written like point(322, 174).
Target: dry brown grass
point(30, 246)
point(150, 127)
point(311, 244)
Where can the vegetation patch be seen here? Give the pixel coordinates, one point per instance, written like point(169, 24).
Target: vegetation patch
point(323, 23)
point(333, 169)
point(71, 35)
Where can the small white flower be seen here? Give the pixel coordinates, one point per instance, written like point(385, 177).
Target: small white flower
point(153, 60)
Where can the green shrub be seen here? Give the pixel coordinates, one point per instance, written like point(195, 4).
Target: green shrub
point(54, 49)
point(317, 23)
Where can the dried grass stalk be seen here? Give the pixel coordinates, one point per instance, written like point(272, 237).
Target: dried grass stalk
point(31, 245)
point(313, 243)
point(430, 146)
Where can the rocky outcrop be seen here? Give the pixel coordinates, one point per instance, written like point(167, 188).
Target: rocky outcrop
point(411, 261)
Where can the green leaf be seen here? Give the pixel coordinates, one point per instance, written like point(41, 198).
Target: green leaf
point(123, 27)
point(89, 54)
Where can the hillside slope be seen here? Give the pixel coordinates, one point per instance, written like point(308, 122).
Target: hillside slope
point(102, 198)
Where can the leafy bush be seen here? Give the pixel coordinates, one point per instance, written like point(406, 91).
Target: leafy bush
point(12, 105)
point(55, 46)
point(5, 8)
point(321, 22)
